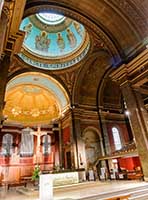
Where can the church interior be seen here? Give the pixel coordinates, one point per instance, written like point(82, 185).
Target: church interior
point(73, 91)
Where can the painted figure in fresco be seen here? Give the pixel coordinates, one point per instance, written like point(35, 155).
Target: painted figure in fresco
point(78, 28)
point(42, 41)
point(27, 30)
point(60, 42)
point(71, 38)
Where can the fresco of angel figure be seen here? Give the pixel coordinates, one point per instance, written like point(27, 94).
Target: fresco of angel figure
point(42, 41)
point(27, 30)
point(78, 28)
point(60, 42)
point(71, 38)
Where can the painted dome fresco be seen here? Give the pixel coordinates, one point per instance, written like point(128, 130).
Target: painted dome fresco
point(53, 41)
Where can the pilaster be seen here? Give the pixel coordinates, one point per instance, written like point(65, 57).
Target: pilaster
point(4, 66)
point(139, 126)
point(130, 77)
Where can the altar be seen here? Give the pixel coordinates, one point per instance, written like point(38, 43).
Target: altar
point(48, 181)
point(65, 178)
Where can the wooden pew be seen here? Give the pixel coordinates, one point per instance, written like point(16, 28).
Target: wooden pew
point(123, 197)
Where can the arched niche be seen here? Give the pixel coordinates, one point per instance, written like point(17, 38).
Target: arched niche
point(93, 145)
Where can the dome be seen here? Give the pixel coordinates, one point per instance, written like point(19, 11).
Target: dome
point(53, 41)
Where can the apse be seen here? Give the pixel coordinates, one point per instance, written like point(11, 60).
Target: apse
point(34, 98)
point(53, 41)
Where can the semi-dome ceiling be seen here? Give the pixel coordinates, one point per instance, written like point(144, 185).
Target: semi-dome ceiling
point(53, 41)
point(31, 104)
point(34, 98)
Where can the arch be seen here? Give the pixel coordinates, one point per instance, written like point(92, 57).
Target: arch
point(99, 20)
point(90, 76)
point(105, 98)
point(92, 128)
point(93, 145)
point(45, 81)
point(82, 17)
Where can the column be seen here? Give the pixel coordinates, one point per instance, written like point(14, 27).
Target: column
point(140, 103)
point(75, 139)
point(138, 118)
point(60, 145)
point(79, 151)
point(4, 66)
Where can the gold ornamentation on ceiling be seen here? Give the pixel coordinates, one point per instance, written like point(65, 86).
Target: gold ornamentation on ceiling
point(31, 104)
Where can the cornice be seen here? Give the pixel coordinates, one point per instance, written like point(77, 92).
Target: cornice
point(111, 116)
point(134, 71)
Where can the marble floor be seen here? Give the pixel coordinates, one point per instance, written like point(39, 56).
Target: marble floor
point(83, 191)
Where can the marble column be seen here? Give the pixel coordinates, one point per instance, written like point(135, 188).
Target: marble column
point(138, 118)
point(4, 66)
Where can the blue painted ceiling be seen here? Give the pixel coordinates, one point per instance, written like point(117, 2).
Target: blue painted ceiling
point(51, 35)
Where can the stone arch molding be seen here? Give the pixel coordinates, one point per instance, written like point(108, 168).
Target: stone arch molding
point(45, 81)
point(93, 129)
